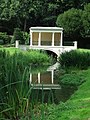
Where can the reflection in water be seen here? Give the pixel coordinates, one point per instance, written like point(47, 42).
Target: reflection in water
point(46, 88)
point(44, 80)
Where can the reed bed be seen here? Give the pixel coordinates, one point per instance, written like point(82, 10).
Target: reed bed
point(15, 89)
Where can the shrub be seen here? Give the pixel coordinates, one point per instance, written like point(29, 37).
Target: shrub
point(75, 58)
point(26, 37)
point(33, 57)
point(18, 35)
point(72, 79)
point(4, 38)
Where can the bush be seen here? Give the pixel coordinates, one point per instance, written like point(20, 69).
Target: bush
point(33, 57)
point(18, 35)
point(26, 37)
point(75, 58)
point(72, 79)
point(4, 38)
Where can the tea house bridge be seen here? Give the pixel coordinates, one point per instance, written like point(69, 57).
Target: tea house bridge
point(47, 38)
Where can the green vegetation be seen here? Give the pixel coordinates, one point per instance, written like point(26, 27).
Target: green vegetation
point(4, 38)
point(73, 16)
point(35, 13)
point(16, 102)
point(30, 57)
point(18, 35)
point(73, 79)
point(77, 107)
point(75, 22)
point(71, 22)
point(15, 91)
point(75, 58)
point(22, 37)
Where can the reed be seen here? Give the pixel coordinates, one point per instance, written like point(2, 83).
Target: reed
point(16, 94)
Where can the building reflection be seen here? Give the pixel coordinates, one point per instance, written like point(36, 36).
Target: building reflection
point(44, 80)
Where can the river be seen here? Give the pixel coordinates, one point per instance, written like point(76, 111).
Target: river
point(46, 87)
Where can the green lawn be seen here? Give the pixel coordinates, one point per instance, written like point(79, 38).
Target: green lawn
point(11, 49)
point(77, 107)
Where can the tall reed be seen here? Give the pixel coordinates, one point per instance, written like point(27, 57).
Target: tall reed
point(16, 91)
point(14, 87)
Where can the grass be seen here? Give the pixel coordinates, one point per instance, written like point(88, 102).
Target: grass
point(77, 107)
point(12, 50)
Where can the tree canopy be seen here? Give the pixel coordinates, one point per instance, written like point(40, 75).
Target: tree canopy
point(71, 22)
point(27, 13)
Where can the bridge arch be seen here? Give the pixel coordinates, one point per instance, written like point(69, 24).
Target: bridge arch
point(51, 53)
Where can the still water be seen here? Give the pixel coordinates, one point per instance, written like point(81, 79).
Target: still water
point(46, 87)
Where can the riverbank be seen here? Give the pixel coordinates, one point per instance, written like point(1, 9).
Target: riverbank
point(77, 107)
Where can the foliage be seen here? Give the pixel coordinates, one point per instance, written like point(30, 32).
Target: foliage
point(71, 21)
point(72, 79)
point(75, 58)
point(86, 20)
point(15, 91)
point(26, 37)
point(4, 38)
point(14, 78)
point(30, 57)
point(77, 107)
point(28, 13)
point(18, 35)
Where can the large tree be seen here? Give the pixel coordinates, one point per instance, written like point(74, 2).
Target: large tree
point(71, 22)
point(26, 13)
point(86, 21)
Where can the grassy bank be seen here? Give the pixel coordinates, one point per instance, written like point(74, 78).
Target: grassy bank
point(77, 107)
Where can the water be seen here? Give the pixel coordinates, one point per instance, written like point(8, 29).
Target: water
point(46, 87)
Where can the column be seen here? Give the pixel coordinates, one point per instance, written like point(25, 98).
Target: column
point(17, 44)
point(52, 76)
point(31, 38)
point(30, 78)
point(39, 39)
point(39, 78)
point(53, 39)
point(61, 40)
point(75, 44)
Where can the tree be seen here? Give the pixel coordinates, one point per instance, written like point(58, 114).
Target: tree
point(71, 22)
point(86, 21)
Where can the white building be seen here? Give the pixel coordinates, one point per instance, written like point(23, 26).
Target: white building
point(47, 38)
